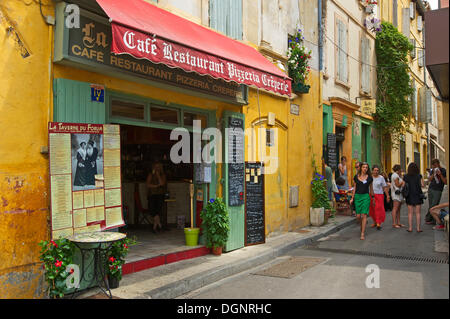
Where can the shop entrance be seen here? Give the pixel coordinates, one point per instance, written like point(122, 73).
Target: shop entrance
point(145, 128)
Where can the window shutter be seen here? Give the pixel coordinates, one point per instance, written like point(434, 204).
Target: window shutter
point(405, 22)
point(413, 51)
point(412, 10)
point(428, 106)
point(414, 101)
point(339, 53)
point(365, 74)
point(422, 106)
point(421, 57)
point(419, 23)
point(395, 13)
point(344, 54)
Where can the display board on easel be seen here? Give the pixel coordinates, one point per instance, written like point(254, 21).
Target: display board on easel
point(254, 204)
point(85, 178)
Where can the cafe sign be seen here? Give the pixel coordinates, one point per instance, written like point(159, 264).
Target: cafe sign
point(90, 47)
point(368, 107)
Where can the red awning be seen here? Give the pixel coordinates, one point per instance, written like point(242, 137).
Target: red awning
point(147, 32)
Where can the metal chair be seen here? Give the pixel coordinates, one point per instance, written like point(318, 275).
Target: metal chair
point(142, 213)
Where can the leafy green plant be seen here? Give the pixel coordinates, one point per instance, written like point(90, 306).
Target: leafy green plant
point(216, 220)
point(319, 192)
point(298, 58)
point(393, 84)
point(56, 256)
point(116, 256)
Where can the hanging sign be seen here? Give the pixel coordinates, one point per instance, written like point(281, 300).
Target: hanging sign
point(85, 180)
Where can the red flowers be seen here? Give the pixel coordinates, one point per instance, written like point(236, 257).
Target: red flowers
point(53, 243)
point(58, 263)
point(125, 246)
point(112, 259)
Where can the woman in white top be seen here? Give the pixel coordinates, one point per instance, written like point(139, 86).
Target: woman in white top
point(380, 189)
point(396, 186)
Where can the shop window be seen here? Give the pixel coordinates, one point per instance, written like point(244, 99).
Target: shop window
point(188, 119)
point(163, 115)
point(127, 110)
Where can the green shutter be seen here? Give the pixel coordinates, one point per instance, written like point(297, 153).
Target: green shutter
point(236, 238)
point(72, 103)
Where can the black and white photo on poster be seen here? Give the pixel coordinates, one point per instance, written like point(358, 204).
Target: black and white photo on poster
point(87, 160)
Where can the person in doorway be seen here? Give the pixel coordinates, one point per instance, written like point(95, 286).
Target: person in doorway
point(156, 184)
point(91, 162)
point(439, 212)
point(328, 172)
point(380, 190)
point(397, 184)
point(414, 197)
point(343, 171)
point(80, 172)
point(437, 179)
point(362, 192)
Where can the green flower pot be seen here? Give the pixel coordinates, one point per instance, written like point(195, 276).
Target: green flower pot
point(300, 88)
point(191, 236)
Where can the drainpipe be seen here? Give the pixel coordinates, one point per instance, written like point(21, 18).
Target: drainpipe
point(425, 82)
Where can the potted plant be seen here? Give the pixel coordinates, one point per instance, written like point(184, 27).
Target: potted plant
point(320, 200)
point(298, 59)
point(216, 222)
point(116, 258)
point(56, 256)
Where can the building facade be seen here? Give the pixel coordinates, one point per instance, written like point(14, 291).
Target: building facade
point(349, 85)
point(49, 71)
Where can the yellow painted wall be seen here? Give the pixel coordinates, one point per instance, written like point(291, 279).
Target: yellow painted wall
point(24, 107)
point(294, 156)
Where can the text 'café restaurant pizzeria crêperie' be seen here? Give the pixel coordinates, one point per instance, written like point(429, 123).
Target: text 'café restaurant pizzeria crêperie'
point(123, 81)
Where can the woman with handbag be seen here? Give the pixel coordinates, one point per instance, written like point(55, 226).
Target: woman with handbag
point(397, 198)
point(412, 191)
point(362, 193)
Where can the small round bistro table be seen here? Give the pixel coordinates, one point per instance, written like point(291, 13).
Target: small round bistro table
point(96, 244)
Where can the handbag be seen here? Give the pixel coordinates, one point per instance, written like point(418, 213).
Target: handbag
point(405, 190)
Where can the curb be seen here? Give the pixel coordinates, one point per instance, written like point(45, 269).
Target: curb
point(198, 281)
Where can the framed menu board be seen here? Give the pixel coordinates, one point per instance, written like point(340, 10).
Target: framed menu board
point(236, 161)
point(254, 204)
point(85, 182)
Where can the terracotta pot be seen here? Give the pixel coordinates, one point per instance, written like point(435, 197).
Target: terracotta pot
point(217, 251)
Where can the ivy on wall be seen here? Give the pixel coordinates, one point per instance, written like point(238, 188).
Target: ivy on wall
point(394, 84)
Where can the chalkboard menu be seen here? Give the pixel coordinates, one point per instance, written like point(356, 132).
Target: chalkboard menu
point(254, 204)
point(332, 160)
point(236, 162)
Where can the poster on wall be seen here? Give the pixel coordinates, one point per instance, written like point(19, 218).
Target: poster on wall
point(85, 181)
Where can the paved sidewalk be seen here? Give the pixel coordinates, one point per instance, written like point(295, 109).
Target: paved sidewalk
point(173, 280)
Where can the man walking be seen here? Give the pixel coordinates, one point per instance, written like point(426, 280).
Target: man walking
point(437, 180)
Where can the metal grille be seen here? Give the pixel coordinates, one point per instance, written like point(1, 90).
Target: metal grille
point(427, 259)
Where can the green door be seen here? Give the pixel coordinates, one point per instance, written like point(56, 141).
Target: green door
point(234, 176)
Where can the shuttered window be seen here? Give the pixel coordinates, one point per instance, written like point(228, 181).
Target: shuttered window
point(405, 22)
point(395, 13)
point(365, 64)
point(226, 16)
point(421, 58)
point(412, 10)
point(342, 61)
point(413, 51)
point(419, 23)
point(414, 101)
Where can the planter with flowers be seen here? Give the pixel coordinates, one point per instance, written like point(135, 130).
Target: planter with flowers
point(215, 225)
point(320, 200)
point(56, 256)
point(298, 59)
point(116, 258)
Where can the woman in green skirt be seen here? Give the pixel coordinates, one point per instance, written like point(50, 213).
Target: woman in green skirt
point(362, 193)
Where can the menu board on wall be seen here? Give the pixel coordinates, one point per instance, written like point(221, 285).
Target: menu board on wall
point(82, 158)
point(332, 160)
point(254, 204)
point(236, 162)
